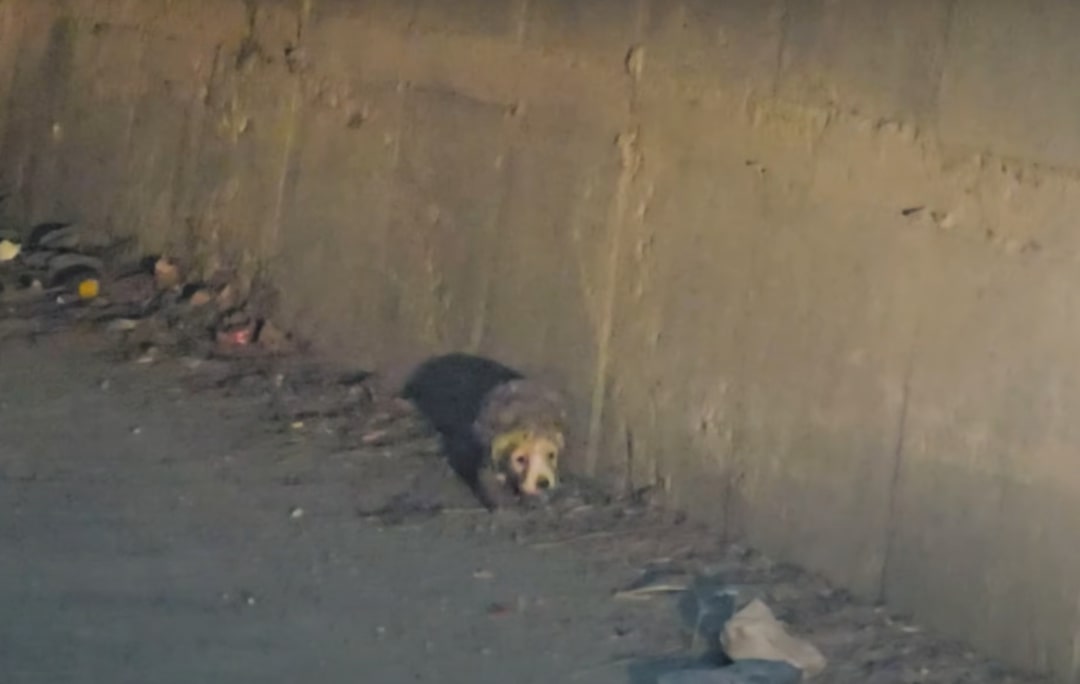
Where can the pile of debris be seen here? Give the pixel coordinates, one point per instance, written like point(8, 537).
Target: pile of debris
point(740, 641)
point(55, 272)
point(56, 275)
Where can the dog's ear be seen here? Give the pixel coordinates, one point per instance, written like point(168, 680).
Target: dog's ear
point(560, 440)
point(507, 443)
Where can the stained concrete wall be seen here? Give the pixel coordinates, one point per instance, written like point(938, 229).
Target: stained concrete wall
point(810, 267)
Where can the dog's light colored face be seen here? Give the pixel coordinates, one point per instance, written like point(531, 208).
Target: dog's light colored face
point(533, 465)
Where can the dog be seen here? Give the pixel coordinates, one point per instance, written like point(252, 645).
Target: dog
point(492, 420)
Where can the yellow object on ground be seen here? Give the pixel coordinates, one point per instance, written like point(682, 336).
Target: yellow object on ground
point(89, 288)
point(9, 250)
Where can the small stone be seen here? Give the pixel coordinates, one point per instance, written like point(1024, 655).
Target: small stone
point(296, 513)
point(227, 298)
point(201, 298)
point(272, 338)
point(374, 437)
point(136, 430)
point(166, 274)
point(483, 574)
point(122, 325)
point(149, 355)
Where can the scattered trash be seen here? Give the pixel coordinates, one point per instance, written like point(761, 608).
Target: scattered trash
point(64, 238)
point(653, 582)
point(755, 634)
point(68, 270)
point(238, 337)
point(121, 325)
point(9, 250)
point(483, 575)
point(235, 331)
point(39, 234)
point(89, 288)
point(706, 607)
point(742, 672)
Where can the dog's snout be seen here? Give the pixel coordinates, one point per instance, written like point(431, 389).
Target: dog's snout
point(543, 483)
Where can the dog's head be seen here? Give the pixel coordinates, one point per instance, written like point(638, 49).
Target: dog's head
point(529, 459)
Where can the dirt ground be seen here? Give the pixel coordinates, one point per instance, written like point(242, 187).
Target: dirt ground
point(209, 520)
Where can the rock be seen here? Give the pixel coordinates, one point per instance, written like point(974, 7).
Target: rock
point(273, 339)
point(755, 634)
point(149, 355)
point(227, 298)
point(167, 274)
point(201, 297)
point(742, 672)
point(136, 289)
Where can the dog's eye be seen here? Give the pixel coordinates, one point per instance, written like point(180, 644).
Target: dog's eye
point(520, 460)
point(551, 457)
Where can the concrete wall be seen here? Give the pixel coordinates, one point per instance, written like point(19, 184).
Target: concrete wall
point(809, 266)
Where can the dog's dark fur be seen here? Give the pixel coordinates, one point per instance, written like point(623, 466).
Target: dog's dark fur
point(449, 391)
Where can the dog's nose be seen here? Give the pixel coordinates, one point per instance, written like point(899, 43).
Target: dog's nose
point(543, 483)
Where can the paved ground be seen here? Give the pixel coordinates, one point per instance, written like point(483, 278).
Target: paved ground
point(170, 523)
point(149, 536)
